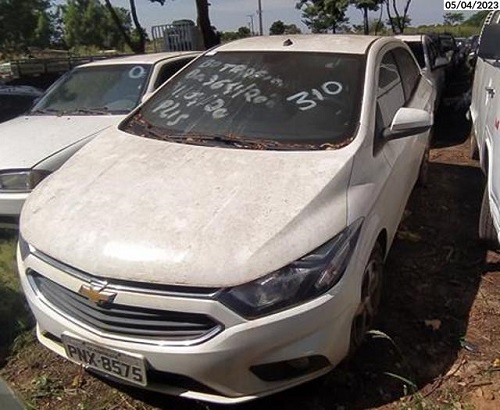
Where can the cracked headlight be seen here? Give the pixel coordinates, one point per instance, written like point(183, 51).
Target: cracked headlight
point(300, 281)
point(21, 181)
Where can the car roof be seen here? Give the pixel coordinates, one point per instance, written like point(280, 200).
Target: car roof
point(411, 37)
point(141, 58)
point(327, 43)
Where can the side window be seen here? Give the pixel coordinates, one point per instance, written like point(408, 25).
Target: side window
point(169, 69)
point(409, 71)
point(433, 53)
point(390, 94)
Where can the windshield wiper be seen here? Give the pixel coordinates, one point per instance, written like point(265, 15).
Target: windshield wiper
point(138, 125)
point(96, 111)
point(45, 111)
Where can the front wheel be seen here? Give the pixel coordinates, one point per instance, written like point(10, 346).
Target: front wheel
point(371, 291)
point(487, 232)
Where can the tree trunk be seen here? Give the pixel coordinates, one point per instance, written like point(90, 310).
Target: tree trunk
point(389, 16)
point(210, 39)
point(365, 21)
point(379, 25)
point(118, 23)
point(141, 47)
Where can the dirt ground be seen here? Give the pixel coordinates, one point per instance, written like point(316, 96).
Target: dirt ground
point(437, 339)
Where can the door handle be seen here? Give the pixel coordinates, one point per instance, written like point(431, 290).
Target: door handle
point(490, 91)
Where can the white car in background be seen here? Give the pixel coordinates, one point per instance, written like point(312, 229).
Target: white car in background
point(431, 62)
point(83, 103)
point(226, 240)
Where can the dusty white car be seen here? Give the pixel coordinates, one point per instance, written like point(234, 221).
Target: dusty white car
point(75, 109)
point(485, 115)
point(431, 62)
point(226, 241)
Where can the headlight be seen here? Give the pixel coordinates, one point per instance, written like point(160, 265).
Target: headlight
point(21, 181)
point(300, 281)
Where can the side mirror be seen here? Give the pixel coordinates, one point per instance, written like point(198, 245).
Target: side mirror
point(408, 122)
point(440, 62)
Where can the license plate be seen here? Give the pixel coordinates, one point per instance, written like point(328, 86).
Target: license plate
point(125, 366)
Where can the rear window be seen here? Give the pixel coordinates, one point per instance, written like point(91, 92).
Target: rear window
point(291, 98)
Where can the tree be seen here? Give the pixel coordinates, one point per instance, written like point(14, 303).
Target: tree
point(278, 27)
point(397, 24)
point(210, 37)
point(292, 29)
point(323, 15)
point(242, 32)
point(477, 19)
point(364, 6)
point(88, 23)
point(24, 23)
point(139, 44)
point(451, 18)
point(397, 20)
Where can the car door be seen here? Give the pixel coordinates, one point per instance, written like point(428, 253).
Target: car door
point(483, 91)
point(400, 85)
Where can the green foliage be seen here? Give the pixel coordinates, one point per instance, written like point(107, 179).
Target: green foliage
point(23, 24)
point(292, 29)
point(365, 6)
point(278, 27)
point(452, 18)
point(15, 318)
point(323, 15)
point(477, 19)
point(235, 35)
point(88, 23)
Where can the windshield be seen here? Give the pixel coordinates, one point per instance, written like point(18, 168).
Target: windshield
point(303, 100)
point(110, 89)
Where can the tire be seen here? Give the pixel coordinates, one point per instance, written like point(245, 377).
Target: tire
point(473, 150)
point(423, 173)
point(487, 232)
point(371, 291)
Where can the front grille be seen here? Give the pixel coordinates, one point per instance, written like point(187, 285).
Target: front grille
point(122, 320)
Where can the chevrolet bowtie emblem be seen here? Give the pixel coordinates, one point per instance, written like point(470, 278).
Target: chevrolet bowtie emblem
point(97, 294)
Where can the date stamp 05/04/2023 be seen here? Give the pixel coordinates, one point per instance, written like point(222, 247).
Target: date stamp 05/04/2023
point(472, 5)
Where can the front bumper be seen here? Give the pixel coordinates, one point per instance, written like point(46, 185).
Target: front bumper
point(10, 208)
point(217, 368)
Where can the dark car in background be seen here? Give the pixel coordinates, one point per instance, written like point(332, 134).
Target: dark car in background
point(16, 99)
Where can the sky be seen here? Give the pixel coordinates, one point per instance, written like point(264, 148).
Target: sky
point(228, 15)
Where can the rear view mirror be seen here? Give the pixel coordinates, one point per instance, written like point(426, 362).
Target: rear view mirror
point(489, 47)
point(408, 122)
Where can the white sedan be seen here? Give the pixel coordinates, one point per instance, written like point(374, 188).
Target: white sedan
point(83, 103)
point(226, 241)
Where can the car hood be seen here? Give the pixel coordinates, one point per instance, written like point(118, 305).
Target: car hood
point(27, 140)
point(132, 208)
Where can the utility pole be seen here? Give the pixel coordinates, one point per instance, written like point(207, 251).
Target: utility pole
point(259, 12)
point(252, 28)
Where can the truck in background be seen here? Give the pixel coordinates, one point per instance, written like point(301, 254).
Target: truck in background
point(180, 35)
